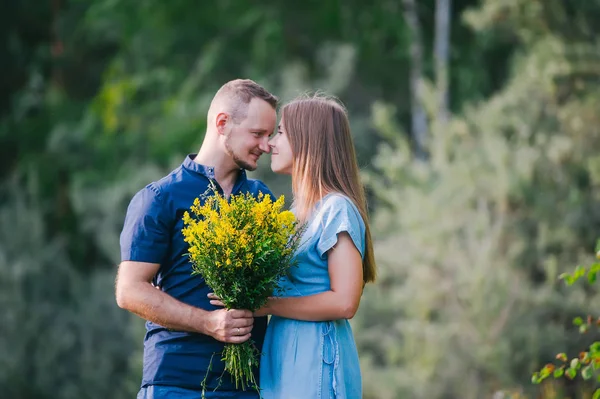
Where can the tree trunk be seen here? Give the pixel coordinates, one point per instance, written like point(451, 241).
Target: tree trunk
point(441, 55)
point(57, 49)
point(418, 116)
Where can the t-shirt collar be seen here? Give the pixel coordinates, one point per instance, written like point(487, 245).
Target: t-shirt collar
point(208, 171)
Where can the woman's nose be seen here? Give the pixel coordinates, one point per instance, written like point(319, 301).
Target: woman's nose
point(264, 146)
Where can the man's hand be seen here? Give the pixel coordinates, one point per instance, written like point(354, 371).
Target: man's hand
point(231, 326)
point(264, 311)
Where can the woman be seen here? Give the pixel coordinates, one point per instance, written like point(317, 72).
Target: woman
point(309, 351)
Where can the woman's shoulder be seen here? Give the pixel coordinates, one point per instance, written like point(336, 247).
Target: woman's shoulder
point(336, 206)
point(337, 213)
point(333, 202)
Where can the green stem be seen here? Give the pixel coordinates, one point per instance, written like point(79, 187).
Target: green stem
point(240, 359)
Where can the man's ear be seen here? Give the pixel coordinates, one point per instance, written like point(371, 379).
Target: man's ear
point(221, 122)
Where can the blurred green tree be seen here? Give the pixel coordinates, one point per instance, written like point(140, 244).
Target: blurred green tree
point(470, 244)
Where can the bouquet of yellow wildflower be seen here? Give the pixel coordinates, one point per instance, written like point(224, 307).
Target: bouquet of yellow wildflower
point(241, 247)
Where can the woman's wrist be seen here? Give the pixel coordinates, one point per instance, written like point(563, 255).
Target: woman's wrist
point(266, 309)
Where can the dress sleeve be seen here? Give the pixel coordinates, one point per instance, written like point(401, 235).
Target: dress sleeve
point(339, 214)
point(146, 232)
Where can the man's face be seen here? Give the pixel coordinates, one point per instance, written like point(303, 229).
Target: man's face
point(281, 151)
point(248, 140)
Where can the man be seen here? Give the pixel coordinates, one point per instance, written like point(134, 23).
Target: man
point(154, 279)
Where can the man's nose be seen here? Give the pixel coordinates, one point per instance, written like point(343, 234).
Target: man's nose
point(265, 146)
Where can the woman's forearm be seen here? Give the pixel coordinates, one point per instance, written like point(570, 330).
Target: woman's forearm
point(328, 305)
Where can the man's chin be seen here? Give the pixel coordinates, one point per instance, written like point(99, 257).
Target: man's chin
point(246, 165)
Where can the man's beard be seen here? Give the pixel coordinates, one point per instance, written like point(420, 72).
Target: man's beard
point(239, 162)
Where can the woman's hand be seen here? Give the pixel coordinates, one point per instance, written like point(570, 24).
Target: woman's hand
point(215, 300)
point(264, 311)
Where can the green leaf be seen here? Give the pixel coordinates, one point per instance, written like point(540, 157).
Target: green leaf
point(584, 357)
point(574, 363)
point(596, 394)
point(592, 276)
point(578, 321)
point(546, 371)
point(571, 373)
point(559, 372)
point(570, 280)
point(587, 372)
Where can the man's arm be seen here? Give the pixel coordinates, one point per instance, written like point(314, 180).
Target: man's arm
point(135, 293)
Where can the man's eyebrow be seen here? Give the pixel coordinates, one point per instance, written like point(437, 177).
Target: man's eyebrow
point(257, 130)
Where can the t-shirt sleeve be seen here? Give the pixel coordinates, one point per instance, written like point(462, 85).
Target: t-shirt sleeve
point(340, 215)
point(145, 235)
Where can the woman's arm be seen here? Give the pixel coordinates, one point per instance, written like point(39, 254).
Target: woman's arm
point(340, 302)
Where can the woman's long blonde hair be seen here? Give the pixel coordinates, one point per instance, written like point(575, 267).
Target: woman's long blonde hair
point(325, 161)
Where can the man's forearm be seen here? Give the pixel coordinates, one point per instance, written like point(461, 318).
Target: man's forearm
point(152, 304)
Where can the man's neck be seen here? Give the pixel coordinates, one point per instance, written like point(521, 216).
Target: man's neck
point(226, 179)
point(225, 169)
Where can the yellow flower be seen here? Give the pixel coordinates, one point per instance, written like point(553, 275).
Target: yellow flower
point(241, 246)
point(246, 239)
point(286, 218)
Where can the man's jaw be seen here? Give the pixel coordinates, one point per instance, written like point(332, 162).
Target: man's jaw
point(251, 161)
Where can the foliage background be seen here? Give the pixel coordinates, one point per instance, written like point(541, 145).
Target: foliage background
point(473, 221)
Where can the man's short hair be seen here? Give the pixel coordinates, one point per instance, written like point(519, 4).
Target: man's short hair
point(238, 93)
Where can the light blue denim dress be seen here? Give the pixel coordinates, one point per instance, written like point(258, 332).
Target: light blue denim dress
point(314, 360)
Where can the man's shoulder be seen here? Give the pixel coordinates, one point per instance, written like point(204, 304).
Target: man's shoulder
point(168, 182)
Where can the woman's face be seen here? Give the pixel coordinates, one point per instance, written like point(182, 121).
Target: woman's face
point(281, 151)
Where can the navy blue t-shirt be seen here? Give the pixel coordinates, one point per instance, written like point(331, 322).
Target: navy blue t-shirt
point(152, 233)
